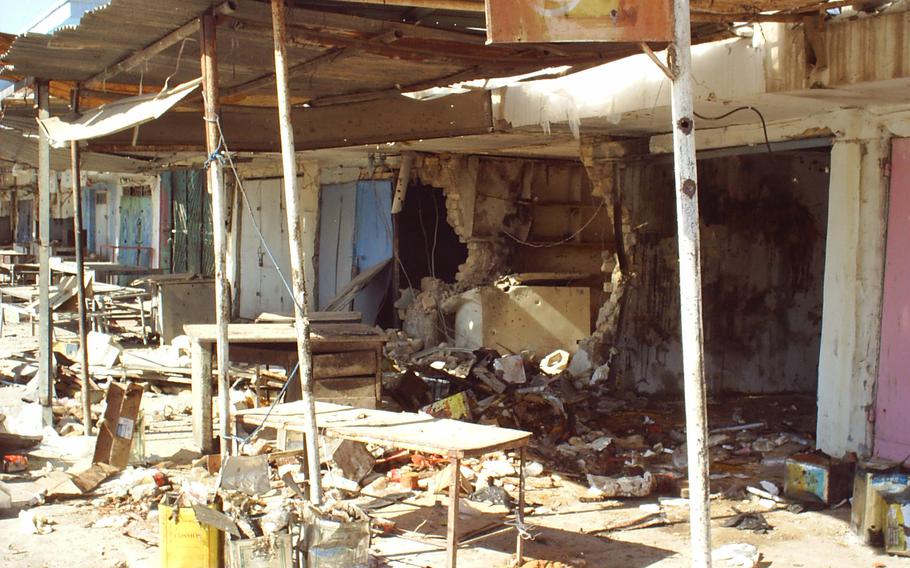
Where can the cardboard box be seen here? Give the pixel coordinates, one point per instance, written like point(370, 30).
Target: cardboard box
point(115, 432)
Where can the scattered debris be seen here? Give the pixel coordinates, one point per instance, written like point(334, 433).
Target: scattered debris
point(736, 556)
point(754, 522)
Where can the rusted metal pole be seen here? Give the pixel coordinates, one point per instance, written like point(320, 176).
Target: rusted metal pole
point(298, 257)
point(690, 285)
point(45, 325)
point(209, 64)
point(80, 274)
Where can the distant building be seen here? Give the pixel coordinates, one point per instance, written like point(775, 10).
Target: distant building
point(62, 13)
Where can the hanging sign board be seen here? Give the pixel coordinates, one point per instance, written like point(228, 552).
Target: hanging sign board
point(543, 21)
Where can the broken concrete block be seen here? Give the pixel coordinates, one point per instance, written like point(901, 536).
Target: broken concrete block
point(443, 480)
point(737, 555)
point(248, 474)
point(334, 480)
point(556, 362)
point(352, 458)
point(103, 349)
point(535, 318)
point(6, 499)
point(512, 368)
point(638, 486)
point(489, 379)
point(580, 365)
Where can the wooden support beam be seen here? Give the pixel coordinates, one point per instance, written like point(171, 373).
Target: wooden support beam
point(686, 186)
point(153, 49)
point(433, 50)
point(298, 257)
point(308, 66)
point(209, 66)
point(375, 122)
point(46, 371)
point(472, 6)
point(347, 23)
point(80, 275)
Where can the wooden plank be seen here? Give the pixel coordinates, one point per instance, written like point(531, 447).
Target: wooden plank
point(201, 357)
point(285, 333)
point(347, 387)
point(315, 317)
point(452, 526)
point(350, 364)
point(365, 402)
point(374, 122)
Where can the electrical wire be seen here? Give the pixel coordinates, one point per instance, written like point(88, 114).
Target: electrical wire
point(435, 233)
point(226, 154)
point(761, 117)
point(278, 398)
point(563, 241)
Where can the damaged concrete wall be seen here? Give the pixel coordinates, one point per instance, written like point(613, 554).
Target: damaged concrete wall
point(763, 253)
point(514, 216)
point(493, 204)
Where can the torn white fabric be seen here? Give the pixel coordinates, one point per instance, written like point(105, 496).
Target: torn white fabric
point(115, 117)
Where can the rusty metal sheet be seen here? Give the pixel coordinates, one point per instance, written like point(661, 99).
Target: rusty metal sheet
point(540, 21)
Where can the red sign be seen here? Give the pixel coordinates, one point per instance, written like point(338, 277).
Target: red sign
point(543, 21)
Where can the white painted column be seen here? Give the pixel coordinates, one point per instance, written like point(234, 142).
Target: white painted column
point(852, 297)
point(308, 188)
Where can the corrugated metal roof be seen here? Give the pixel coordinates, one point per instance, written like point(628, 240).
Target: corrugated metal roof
point(381, 50)
point(104, 36)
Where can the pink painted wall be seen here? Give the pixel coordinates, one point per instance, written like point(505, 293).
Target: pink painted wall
point(892, 412)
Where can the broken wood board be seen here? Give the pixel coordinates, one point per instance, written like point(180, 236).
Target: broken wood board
point(15, 442)
point(314, 317)
point(75, 482)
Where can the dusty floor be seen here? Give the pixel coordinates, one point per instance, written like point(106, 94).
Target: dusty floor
point(811, 540)
point(566, 530)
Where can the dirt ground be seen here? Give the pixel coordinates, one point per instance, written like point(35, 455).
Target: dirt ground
point(564, 528)
point(810, 540)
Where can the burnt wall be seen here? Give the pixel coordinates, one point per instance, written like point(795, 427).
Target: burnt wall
point(763, 225)
point(499, 205)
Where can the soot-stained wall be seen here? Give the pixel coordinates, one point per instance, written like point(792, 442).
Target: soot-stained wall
point(763, 225)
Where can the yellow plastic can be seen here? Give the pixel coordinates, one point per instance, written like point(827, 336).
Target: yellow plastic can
point(185, 542)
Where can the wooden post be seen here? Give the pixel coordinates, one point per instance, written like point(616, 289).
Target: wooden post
point(201, 359)
point(209, 64)
point(45, 325)
point(690, 285)
point(80, 275)
point(295, 231)
point(520, 512)
point(452, 525)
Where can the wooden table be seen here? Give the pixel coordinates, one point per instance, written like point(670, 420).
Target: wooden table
point(406, 430)
point(346, 363)
point(102, 271)
point(9, 258)
point(25, 301)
